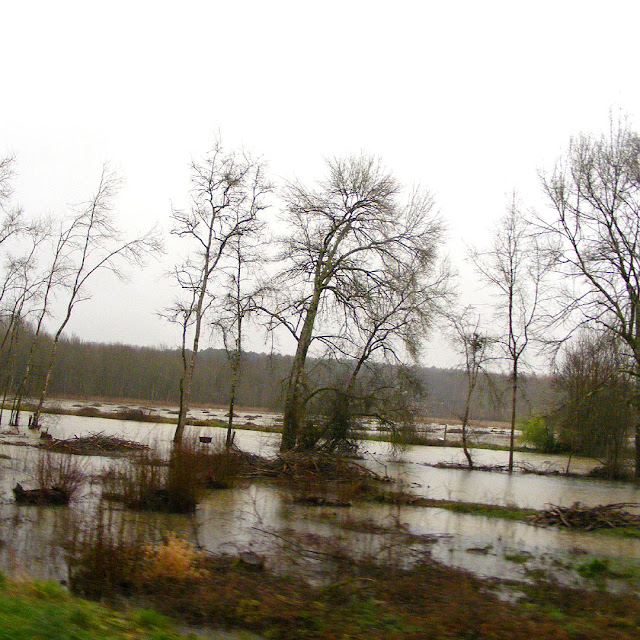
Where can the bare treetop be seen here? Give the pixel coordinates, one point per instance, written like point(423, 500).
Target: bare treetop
point(360, 259)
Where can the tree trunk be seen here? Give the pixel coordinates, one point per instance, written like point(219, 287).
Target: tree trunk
point(35, 423)
point(293, 410)
point(514, 401)
point(232, 393)
point(637, 443)
point(465, 422)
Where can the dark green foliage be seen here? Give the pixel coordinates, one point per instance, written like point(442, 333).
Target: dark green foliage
point(597, 411)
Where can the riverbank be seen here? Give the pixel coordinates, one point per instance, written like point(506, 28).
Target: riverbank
point(43, 610)
point(359, 599)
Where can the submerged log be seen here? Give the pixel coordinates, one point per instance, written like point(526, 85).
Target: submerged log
point(43, 496)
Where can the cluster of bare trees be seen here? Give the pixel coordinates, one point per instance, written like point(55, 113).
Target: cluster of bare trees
point(355, 276)
point(351, 276)
point(48, 264)
point(568, 280)
point(594, 231)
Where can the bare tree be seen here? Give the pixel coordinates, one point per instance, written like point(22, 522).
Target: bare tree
point(594, 193)
point(347, 235)
point(12, 222)
point(474, 348)
point(381, 330)
point(51, 276)
point(89, 243)
point(228, 189)
point(241, 291)
point(515, 267)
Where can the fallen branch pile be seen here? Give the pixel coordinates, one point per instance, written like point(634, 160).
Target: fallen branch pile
point(95, 444)
point(297, 465)
point(577, 516)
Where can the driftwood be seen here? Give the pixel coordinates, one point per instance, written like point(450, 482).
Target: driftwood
point(577, 516)
point(43, 496)
point(297, 465)
point(95, 444)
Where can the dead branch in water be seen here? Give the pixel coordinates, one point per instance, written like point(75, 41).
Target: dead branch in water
point(578, 516)
point(95, 444)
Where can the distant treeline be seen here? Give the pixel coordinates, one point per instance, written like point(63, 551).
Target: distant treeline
point(90, 370)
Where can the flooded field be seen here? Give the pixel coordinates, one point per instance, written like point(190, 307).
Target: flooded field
point(263, 518)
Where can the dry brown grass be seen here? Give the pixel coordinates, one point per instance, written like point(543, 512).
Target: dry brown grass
point(59, 471)
point(148, 482)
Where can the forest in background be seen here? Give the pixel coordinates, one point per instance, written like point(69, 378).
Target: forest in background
point(94, 370)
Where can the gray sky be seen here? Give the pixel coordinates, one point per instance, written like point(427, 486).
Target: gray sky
point(469, 99)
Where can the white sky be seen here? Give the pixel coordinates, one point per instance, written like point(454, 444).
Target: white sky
point(468, 98)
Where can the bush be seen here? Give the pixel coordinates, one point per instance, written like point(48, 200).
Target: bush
point(147, 482)
point(539, 432)
point(103, 553)
point(172, 560)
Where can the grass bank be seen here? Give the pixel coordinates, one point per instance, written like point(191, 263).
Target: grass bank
point(45, 611)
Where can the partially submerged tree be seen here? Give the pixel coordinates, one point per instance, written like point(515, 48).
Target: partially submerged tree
point(90, 242)
point(515, 267)
point(349, 240)
point(20, 295)
point(596, 413)
point(228, 191)
point(382, 329)
point(238, 303)
point(474, 348)
point(594, 193)
point(49, 278)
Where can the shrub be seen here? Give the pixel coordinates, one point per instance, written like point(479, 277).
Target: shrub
point(62, 473)
point(103, 553)
point(539, 432)
point(172, 560)
point(147, 482)
point(88, 412)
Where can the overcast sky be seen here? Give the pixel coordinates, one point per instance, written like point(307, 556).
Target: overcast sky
point(470, 99)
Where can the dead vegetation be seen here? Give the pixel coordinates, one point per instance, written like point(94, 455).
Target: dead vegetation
point(148, 482)
point(57, 479)
point(578, 516)
point(364, 598)
point(95, 444)
point(316, 478)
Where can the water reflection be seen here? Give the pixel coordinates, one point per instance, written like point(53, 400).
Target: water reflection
point(264, 519)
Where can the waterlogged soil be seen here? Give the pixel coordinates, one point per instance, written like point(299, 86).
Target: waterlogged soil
point(264, 518)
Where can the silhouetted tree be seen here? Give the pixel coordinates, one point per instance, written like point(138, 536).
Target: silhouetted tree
point(515, 267)
point(90, 242)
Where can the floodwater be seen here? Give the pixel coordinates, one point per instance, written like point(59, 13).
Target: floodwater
point(264, 519)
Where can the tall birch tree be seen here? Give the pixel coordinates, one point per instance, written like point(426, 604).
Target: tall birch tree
point(90, 242)
point(228, 189)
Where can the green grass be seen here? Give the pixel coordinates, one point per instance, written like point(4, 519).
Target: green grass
point(45, 611)
point(621, 532)
point(470, 508)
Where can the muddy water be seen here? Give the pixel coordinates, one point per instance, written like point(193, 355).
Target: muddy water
point(263, 518)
